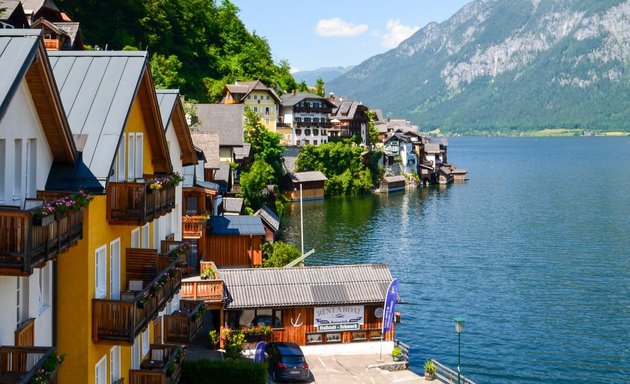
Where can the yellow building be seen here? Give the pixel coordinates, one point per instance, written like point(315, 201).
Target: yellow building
point(258, 97)
point(118, 286)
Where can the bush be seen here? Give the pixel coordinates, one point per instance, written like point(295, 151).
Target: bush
point(228, 371)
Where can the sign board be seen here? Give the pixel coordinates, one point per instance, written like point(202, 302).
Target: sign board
point(390, 306)
point(338, 318)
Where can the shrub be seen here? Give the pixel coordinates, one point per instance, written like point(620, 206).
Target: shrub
point(228, 371)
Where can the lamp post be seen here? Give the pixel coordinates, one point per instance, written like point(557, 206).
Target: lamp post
point(459, 328)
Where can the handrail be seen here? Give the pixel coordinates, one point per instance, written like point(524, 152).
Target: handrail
point(404, 348)
point(447, 375)
point(26, 361)
point(137, 202)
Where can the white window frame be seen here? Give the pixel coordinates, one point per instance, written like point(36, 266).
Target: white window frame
point(100, 272)
point(120, 164)
point(135, 238)
point(144, 239)
point(139, 159)
point(17, 173)
point(30, 168)
point(114, 364)
point(114, 281)
point(131, 162)
point(146, 343)
point(44, 288)
point(135, 352)
point(100, 371)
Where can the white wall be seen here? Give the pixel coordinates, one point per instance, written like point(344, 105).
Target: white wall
point(175, 217)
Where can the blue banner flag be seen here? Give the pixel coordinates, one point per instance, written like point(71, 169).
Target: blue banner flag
point(259, 356)
point(390, 306)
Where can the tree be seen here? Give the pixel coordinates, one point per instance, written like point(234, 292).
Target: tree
point(254, 184)
point(279, 254)
point(265, 145)
point(372, 132)
point(165, 71)
point(302, 87)
point(319, 87)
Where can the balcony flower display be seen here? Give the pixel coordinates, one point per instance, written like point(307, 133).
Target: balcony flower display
point(44, 374)
point(181, 250)
point(67, 203)
point(171, 180)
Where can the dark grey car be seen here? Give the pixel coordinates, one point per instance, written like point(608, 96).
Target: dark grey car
point(286, 362)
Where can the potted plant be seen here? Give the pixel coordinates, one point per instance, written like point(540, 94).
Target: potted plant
point(214, 338)
point(397, 354)
point(207, 274)
point(429, 370)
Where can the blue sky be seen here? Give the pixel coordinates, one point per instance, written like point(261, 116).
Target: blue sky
point(313, 34)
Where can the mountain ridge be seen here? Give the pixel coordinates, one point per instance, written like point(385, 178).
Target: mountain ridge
point(506, 65)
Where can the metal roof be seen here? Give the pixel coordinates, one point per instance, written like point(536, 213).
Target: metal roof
point(227, 120)
point(236, 225)
point(269, 217)
point(97, 90)
point(166, 100)
point(233, 205)
point(18, 48)
point(289, 99)
point(303, 177)
point(305, 286)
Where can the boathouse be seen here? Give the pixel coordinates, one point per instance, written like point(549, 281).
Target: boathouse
point(312, 183)
point(309, 305)
point(234, 240)
point(392, 184)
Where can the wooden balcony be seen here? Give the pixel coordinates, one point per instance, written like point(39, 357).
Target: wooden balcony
point(26, 243)
point(52, 44)
point(22, 365)
point(210, 291)
point(163, 366)
point(193, 227)
point(137, 203)
point(120, 321)
point(182, 326)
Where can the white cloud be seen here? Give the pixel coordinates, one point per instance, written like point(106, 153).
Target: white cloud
point(396, 33)
point(338, 27)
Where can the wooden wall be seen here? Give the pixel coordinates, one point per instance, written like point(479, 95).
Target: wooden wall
point(307, 194)
point(234, 250)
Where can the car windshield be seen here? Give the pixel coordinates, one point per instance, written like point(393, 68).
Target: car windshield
point(293, 360)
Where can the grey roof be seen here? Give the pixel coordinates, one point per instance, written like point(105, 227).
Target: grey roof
point(246, 87)
point(97, 90)
point(241, 153)
point(7, 7)
point(432, 148)
point(223, 173)
point(209, 144)
point(303, 177)
point(233, 205)
point(236, 225)
point(289, 99)
point(224, 119)
point(393, 179)
point(166, 100)
point(269, 217)
point(305, 286)
point(207, 185)
point(18, 48)
point(189, 176)
point(346, 109)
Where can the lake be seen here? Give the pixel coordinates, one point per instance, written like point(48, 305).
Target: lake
point(533, 251)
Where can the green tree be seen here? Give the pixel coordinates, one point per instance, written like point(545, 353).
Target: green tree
point(254, 184)
point(302, 87)
point(265, 145)
point(372, 132)
point(319, 87)
point(165, 71)
point(279, 254)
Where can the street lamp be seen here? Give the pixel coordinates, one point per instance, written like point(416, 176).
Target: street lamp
point(459, 328)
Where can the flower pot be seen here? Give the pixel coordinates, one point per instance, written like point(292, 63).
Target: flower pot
point(429, 377)
point(43, 221)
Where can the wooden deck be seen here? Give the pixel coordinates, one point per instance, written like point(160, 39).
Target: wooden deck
point(136, 204)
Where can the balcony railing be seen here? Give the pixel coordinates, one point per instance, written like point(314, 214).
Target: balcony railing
point(162, 367)
point(299, 109)
point(210, 291)
point(27, 242)
point(182, 326)
point(310, 124)
point(136, 203)
point(52, 44)
point(120, 321)
point(193, 227)
point(21, 365)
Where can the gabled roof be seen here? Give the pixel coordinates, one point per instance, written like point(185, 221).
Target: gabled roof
point(399, 136)
point(172, 110)
point(269, 217)
point(305, 286)
point(244, 88)
point(13, 13)
point(233, 205)
point(236, 225)
point(223, 172)
point(432, 148)
point(227, 120)
point(289, 100)
point(98, 89)
point(209, 144)
point(23, 56)
point(303, 177)
point(347, 110)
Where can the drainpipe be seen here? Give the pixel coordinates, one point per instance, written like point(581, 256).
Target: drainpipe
point(54, 304)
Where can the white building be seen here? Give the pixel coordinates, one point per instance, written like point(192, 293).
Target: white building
point(308, 116)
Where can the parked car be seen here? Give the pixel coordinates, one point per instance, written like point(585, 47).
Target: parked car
point(286, 362)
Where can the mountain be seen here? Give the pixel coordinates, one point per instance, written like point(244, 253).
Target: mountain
point(327, 74)
point(508, 66)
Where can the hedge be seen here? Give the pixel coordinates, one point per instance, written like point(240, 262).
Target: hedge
point(228, 371)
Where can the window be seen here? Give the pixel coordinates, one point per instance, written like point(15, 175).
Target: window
point(145, 236)
point(22, 299)
point(255, 97)
point(17, 174)
point(114, 364)
point(314, 142)
point(266, 110)
point(145, 342)
point(298, 131)
point(255, 109)
point(100, 277)
point(44, 288)
point(191, 205)
point(135, 238)
point(3, 151)
point(307, 132)
point(135, 353)
point(249, 97)
point(315, 132)
point(119, 163)
point(131, 147)
point(139, 155)
point(100, 371)
point(268, 97)
point(266, 121)
point(31, 168)
point(114, 269)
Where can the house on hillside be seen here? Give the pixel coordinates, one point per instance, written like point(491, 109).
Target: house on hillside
point(349, 118)
point(35, 138)
point(305, 185)
point(258, 97)
point(307, 116)
point(120, 286)
point(399, 149)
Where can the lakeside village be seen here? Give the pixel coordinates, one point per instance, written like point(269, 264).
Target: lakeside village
point(122, 236)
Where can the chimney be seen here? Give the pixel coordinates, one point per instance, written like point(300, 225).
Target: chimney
point(331, 96)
